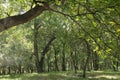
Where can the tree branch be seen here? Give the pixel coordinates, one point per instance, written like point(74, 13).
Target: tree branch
point(10, 21)
point(72, 18)
point(46, 49)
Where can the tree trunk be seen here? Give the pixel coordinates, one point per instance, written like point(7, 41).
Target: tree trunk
point(95, 61)
point(87, 59)
point(63, 58)
point(75, 62)
point(9, 70)
point(115, 65)
point(46, 49)
point(48, 62)
point(20, 69)
point(39, 63)
point(3, 70)
point(36, 27)
point(56, 60)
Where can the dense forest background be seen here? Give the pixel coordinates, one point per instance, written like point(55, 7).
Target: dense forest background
point(69, 35)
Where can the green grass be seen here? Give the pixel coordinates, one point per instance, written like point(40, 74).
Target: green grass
point(99, 75)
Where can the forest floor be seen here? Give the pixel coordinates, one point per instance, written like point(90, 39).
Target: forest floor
point(98, 75)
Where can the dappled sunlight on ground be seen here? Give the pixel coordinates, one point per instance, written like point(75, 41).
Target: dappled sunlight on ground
point(94, 75)
point(106, 76)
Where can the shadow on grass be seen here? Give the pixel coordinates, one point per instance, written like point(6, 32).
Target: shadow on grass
point(50, 76)
point(42, 76)
point(60, 76)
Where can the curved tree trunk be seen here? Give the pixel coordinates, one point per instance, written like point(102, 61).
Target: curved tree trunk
point(46, 49)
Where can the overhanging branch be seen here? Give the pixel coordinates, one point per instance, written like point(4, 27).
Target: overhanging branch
point(8, 22)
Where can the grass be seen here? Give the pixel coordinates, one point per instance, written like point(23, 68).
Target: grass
point(99, 75)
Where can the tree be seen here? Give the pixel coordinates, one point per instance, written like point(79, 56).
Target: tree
point(86, 32)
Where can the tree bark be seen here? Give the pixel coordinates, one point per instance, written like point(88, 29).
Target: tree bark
point(3, 70)
point(46, 49)
point(9, 70)
point(63, 58)
point(10, 21)
point(20, 69)
point(40, 62)
point(75, 62)
point(87, 59)
point(36, 27)
point(95, 61)
point(56, 59)
point(48, 63)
